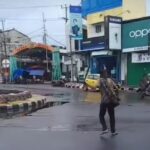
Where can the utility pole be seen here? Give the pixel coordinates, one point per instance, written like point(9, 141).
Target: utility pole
point(70, 45)
point(5, 49)
point(72, 73)
point(4, 38)
point(45, 40)
point(66, 12)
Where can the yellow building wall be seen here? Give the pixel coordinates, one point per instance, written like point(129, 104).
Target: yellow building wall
point(99, 17)
point(131, 9)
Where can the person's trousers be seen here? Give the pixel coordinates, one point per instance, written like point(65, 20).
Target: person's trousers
point(111, 112)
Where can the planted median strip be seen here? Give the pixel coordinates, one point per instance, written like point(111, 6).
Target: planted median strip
point(23, 103)
point(22, 107)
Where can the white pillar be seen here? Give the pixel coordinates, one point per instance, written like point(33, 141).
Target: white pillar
point(123, 67)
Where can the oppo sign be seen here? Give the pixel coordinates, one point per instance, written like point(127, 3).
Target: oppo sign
point(139, 33)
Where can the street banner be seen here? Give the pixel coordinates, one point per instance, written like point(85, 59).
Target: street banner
point(13, 67)
point(56, 74)
point(76, 22)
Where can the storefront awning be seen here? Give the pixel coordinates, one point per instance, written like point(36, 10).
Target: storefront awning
point(98, 53)
point(135, 49)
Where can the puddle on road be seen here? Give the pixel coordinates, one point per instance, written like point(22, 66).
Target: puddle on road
point(95, 97)
point(126, 98)
point(72, 95)
point(92, 97)
point(63, 128)
point(56, 95)
point(87, 127)
point(56, 103)
point(83, 124)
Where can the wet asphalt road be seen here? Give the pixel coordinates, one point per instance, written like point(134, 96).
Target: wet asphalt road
point(76, 125)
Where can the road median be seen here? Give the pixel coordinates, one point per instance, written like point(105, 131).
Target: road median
point(22, 107)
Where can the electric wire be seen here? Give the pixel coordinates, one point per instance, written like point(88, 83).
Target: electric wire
point(29, 7)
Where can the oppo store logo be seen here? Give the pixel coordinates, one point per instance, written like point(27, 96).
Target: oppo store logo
point(139, 33)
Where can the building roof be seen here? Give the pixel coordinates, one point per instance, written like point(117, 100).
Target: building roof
point(13, 29)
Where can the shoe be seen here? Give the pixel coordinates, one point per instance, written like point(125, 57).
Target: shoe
point(114, 133)
point(104, 132)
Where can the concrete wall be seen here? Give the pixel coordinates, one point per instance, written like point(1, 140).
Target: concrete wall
point(99, 16)
point(130, 9)
point(14, 39)
point(92, 30)
point(17, 37)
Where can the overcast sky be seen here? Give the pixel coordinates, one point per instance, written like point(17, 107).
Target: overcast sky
point(17, 14)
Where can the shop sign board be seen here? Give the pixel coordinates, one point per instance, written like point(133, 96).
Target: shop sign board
point(96, 43)
point(113, 30)
point(140, 58)
point(135, 35)
point(136, 49)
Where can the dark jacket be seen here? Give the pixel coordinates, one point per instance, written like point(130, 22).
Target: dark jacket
point(107, 90)
point(75, 30)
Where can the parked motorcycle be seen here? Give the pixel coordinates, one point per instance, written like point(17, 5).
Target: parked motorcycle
point(145, 87)
point(146, 91)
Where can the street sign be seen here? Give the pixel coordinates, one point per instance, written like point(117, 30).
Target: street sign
point(5, 63)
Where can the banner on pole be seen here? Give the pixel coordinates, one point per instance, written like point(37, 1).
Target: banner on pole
point(76, 22)
point(56, 74)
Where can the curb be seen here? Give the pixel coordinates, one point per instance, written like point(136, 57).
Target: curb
point(23, 108)
point(128, 89)
point(55, 103)
point(74, 85)
point(81, 86)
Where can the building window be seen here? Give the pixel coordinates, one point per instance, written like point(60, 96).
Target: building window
point(8, 40)
point(98, 28)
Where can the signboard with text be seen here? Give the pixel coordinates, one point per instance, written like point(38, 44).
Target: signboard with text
point(96, 43)
point(135, 35)
point(113, 35)
point(140, 58)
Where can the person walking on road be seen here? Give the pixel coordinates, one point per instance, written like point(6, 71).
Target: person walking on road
point(109, 100)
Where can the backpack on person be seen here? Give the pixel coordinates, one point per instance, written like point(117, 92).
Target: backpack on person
point(112, 95)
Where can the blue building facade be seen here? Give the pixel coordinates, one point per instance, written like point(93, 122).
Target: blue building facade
point(98, 46)
point(93, 6)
